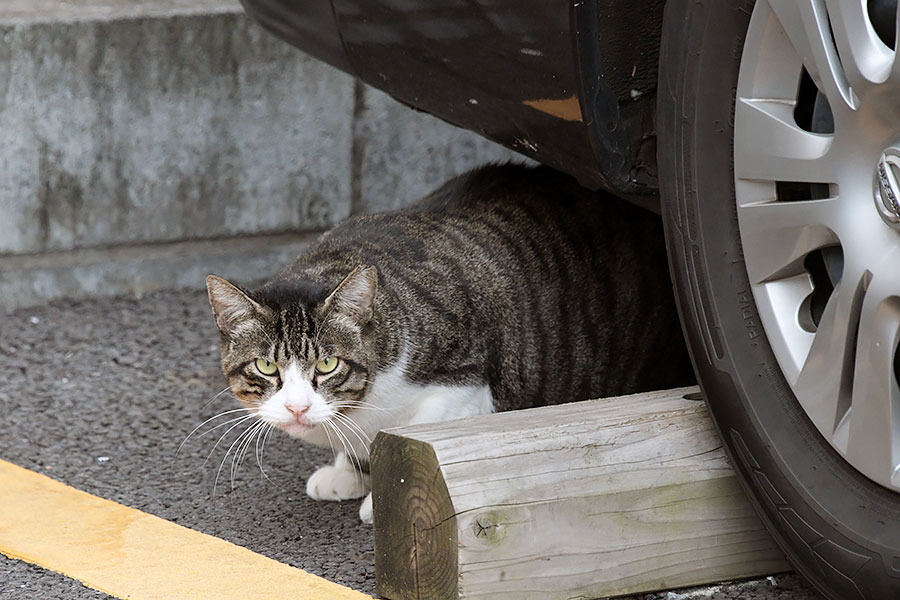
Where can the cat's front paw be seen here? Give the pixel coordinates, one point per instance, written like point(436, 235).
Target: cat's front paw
point(365, 510)
point(337, 483)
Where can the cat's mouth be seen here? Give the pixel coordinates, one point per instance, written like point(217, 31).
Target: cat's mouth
point(297, 427)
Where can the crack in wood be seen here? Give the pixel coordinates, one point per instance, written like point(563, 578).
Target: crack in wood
point(415, 551)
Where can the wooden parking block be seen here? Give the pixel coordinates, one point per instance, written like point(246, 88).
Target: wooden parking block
point(583, 500)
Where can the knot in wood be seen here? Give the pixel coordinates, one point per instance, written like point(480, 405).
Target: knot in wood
point(481, 527)
point(487, 527)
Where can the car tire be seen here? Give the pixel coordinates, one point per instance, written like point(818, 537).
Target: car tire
point(839, 528)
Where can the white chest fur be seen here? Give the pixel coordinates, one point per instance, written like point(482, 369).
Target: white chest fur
point(394, 401)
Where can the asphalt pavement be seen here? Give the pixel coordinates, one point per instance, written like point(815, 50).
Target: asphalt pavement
point(99, 394)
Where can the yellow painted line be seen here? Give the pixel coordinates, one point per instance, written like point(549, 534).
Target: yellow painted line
point(130, 554)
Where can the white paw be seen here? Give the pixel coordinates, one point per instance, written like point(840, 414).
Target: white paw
point(365, 510)
point(337, 483)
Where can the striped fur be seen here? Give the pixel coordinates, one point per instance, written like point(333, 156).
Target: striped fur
point(517, 278)
point(508, 277)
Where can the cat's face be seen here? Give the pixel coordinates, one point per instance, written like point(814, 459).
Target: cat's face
point(301, 365)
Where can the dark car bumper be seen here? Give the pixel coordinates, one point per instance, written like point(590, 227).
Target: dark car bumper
point(529, 74)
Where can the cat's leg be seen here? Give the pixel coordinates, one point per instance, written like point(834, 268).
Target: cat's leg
point(365, 510)
point(338, 481)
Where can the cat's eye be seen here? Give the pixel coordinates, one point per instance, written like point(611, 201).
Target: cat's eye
point(327, 365)
point(265, 367)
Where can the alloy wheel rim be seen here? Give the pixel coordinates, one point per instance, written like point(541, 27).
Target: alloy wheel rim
point(817, 166)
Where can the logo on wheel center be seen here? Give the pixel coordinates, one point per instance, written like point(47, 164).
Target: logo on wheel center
point(887, 189)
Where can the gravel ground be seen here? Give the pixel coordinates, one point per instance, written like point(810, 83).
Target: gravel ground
point(99, 394)
point(23, 581)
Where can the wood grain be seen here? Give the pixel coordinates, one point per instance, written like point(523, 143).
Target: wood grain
point(590, 499)
point(414, 522)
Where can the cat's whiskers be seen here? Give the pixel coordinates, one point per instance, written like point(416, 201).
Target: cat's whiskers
point(326, 425)
point(266, 438)
point(348, 449)
point(236, 457)
point(222, 437)
point(362, 405)
point(228, 451)
point(221, 414)
point(260, 448)
point(354, 428)
point(215, 396)
point(210, 430)
point(328, 435)
point(242, 449)
point(256, 435)
point(356, 431)
point(239, 442)
point(345, 443)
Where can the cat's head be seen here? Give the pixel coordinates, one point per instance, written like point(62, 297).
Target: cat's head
point(298, 353)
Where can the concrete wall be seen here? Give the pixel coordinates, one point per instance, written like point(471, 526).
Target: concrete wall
point(155, 122)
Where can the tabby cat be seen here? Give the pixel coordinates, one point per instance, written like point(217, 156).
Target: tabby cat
point(509, 287)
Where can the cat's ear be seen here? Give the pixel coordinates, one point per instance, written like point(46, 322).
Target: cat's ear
point(354, 297)
point(231, 305)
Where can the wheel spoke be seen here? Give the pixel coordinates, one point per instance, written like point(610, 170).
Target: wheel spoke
point(895, 67)
point(872, 445)
point(864, 57)
point(776, 236)
point(774, 148)
point(806, 24)
point(823, 385)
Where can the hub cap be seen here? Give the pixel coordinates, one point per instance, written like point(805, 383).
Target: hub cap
point(887, 189)
point(817, 183)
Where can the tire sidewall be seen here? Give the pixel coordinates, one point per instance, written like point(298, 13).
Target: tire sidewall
point(839, 528)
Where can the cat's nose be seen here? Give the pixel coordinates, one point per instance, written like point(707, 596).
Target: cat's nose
point(297, 411)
